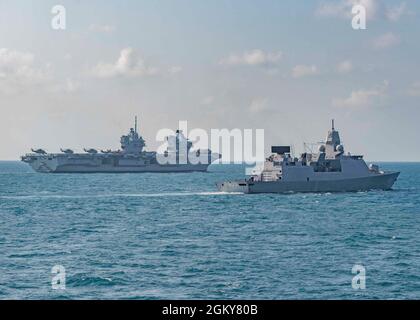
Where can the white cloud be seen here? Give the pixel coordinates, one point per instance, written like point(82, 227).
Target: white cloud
point(386, 40)
point(414, 89)
point(253, 58)
point(18, 65)
point(128, 64)
point(71, 85)
point(344, 67)
point(102, 28)
point(175, 69)
point(362, 98)
point(67, 86)
point(300, 71)
point(342, 8)
point(207, 100)
point(396, 12)
point(330, 9)
point(13, 58)
point(258, 105)
point(17, 70)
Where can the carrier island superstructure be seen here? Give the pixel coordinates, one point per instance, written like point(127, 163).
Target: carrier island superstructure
point(130, 158)
point(328, 170)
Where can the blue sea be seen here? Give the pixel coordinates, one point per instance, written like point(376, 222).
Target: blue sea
point(173, 236)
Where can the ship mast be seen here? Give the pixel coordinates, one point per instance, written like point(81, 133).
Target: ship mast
point(135, 124)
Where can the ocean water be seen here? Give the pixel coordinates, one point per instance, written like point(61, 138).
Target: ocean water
point(173, 236)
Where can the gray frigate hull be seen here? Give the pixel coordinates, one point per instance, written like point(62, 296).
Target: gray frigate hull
point(54, 166)
point(383, 181)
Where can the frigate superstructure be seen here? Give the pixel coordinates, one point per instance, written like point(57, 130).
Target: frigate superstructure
point(328, 170)
point(132, 157)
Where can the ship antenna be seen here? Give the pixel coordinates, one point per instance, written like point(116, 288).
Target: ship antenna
point(135, 124)
point(332, 124)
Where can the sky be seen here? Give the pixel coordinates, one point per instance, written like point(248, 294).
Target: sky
point(287, 67)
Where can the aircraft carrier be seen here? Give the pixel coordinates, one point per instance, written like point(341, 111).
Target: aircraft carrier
point(178, 157)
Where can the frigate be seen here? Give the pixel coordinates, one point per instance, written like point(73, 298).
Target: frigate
point(179, 156)
point(328, 170)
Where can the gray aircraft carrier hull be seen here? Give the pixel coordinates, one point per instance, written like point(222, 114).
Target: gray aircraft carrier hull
point(46, 167)
point(383, 181)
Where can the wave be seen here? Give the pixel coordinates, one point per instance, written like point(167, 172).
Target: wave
point(118, 195)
